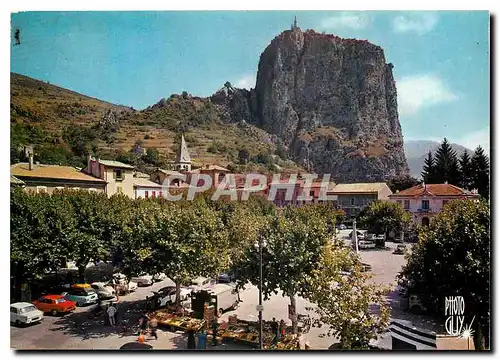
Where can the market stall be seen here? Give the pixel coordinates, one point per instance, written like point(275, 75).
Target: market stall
point(177, 321)
point(247, 332)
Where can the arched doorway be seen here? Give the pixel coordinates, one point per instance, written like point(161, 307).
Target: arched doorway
point(425, 221)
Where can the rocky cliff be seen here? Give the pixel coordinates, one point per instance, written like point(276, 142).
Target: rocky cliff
point(332, 101)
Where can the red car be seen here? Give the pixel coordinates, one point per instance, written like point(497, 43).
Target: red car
point(54, 304)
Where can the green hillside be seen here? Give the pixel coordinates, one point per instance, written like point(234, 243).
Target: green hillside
point(64, 126)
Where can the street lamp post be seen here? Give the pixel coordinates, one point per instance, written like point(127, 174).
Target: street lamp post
point(261, 344)
point(355, 235)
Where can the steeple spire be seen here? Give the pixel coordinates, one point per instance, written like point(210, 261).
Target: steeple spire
point(183, 157)
point(294, 25)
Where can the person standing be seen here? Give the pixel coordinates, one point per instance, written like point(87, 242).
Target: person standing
point(144, 323)
point(275, 330)
point(153, 326)
point(303, 343)
point(202, 339)
point(282, 329)
point(191, 343)
point(111, 314)
point(215, 327)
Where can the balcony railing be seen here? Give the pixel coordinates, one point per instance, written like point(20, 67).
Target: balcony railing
point(422, 210)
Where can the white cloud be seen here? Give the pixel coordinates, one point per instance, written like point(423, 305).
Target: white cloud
point(246, 82)
point(419, 91)
point(420, 23)
point(347, 20)
point(474, 139)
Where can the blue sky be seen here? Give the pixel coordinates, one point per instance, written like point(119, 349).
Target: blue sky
point(441, 59)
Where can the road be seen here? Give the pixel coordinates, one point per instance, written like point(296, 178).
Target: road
point(78, 331)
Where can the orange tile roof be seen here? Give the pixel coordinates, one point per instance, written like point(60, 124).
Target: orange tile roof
point(213, 167)
point(357, 188)
point(51, 172)
point(433, 190)
point(143, 182)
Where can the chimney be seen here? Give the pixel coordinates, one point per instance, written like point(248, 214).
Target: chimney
point(98, 170)
point(89, 163)
point(30, 156)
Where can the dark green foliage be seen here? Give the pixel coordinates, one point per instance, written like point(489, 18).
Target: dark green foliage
point(217, 148)
point(54, 154)
point(399, 183)
point(152, 156)
point(129, 157)
point(465, 171)
point(480, 165)
point(243, 156)
point(428, 170)
point(80, 139)
point(452, 258)
point(446, 165)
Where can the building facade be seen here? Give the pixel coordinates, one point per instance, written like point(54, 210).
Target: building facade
point(425, 201)
point(48, 178)
point(352, 198)
point(119, 177)
point(146, 189)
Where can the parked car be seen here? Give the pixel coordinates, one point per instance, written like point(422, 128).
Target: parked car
point(400, 249)
point(361, 234)
point(342, 227)
point(103, 290)
point(124, 286)
point(222, 296)
point(24, 313)
point(166, 296)
point(143, 280)
point(201, 283)
point(81, 296)
point(226, 278)
point(54, 304)
point(159, 277)
point(81, 286)
point(363, 244)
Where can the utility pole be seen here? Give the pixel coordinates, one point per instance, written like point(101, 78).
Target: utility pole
point(261, 344)
point(355, 235)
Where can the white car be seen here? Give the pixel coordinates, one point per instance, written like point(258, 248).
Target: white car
point(121, 280)
point(143, 280)
point(24, 313)
point(103, 290)
point(166, 296)
point(201, 283)
point(159, 277)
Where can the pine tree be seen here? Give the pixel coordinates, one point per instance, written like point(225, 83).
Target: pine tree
point(480, 165)
point(465, 171)
point(446, 165)
point(428, 171)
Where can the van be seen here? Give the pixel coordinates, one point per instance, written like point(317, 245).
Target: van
point(222, 296)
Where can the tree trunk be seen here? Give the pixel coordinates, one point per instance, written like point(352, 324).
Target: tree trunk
point(81, 273)
point(478, 338)
point(294, 310)
point(177, 292)
point(18, 281)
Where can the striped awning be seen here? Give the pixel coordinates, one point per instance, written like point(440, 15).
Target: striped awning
point(404, 331)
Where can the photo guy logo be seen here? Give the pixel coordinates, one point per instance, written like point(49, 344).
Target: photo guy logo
point(454, 308)
point(288, 189)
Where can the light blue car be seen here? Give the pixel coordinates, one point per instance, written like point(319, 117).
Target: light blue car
point(82, 296)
